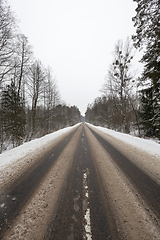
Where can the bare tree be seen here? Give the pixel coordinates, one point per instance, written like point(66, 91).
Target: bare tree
point(24, 54)
point(51, 98)
point(35, 87)
point(7, 35)
point(119, 82)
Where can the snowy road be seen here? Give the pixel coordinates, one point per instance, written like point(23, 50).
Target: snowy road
point(15, 196)
point(87, 185)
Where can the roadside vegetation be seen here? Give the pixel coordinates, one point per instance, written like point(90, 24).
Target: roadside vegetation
point(130, 104)
point(30, 104)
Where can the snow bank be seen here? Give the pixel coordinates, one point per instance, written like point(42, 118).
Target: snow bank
point(146, 145)
point(14, 154)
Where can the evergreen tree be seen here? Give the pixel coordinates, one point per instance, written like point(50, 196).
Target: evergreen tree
point(13, 115)
point(148, 35)
point(147, 112)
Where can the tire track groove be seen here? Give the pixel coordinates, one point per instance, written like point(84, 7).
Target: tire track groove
point(146, 186)
point(13, 199)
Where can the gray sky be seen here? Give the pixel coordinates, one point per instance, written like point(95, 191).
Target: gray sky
point(76, 39)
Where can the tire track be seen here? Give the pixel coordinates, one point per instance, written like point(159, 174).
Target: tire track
point(13, 199)
point(82, 211)
point(146, 186)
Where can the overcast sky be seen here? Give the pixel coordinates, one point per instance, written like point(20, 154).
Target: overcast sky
point(76, 38)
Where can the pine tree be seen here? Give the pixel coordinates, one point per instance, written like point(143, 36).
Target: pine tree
point(13, 115)
point(148, 35)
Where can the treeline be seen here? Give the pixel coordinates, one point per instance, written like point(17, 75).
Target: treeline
point(105, 112)
point(118, 107)
point(30, 104)
point(129, 104)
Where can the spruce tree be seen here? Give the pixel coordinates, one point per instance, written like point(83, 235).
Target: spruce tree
point(147, 22)
point(13, 115)
point(147, 112)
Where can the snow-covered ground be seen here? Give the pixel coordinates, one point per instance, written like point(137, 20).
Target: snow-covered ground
point(148, 146)
point(132, 215)
point(11, 156)
point(20, 152)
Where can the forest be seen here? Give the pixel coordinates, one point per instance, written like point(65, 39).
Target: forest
point(30, 103)
point(128, 103)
